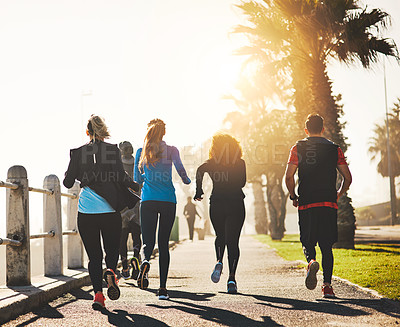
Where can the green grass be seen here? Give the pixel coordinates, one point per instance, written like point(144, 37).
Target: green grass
point(376, 266)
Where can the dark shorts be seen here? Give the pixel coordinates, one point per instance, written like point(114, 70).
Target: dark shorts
point(318, 225)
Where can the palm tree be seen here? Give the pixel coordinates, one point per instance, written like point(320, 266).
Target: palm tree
point(299, 37)
point(379, 150)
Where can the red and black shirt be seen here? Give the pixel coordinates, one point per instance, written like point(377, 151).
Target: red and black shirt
point(317, 159)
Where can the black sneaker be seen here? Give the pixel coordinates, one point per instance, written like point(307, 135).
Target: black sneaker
point(113, 291)
point(143, 279)
point(135, 267)
point(232, 287)
point(162, 294)
point(125, 273)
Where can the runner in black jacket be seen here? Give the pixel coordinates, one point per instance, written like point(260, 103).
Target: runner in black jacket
point(98, 167)
point(227, 170)
point(316, 160)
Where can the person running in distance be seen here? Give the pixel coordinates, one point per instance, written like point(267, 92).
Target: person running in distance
point(98, 167)
point(227, 170)
point(190, 213)
point(153, 168)
point(316, 159)
point(130, 222)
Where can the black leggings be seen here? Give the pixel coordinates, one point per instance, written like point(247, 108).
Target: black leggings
point(91, 226)
point(134, 230)
point(190, 221)
point(150, 213)
point(227, 218)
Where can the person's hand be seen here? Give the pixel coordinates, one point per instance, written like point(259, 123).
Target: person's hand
point(295, 203)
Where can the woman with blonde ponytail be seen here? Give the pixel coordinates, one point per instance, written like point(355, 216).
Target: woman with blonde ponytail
point(153, 169)
point(97, 165)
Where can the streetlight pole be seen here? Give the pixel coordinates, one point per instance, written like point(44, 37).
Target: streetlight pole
point(393, 199)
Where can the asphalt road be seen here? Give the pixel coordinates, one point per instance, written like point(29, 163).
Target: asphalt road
point(272, 293)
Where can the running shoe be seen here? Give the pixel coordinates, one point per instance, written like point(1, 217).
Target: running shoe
point(327, 292)
point(216, 274)
point(135, 267)
point(232, 287)
point(98, 302)
point(113, 291)
point(311, 279)
point(143, 279)
point(125, 273)
point(163, 294)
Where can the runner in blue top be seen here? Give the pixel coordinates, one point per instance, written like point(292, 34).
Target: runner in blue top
point(153, 168)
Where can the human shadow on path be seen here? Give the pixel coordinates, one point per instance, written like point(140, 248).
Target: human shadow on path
point(336, 306)
point(49, 311)
point(216, 315)
point(123, 318)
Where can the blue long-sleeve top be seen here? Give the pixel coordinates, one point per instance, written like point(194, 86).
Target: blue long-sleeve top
point(157, 178)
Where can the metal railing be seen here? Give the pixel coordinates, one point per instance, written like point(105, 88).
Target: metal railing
point(18, 235)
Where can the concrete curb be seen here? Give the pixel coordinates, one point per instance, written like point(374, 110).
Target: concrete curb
point(17, 300)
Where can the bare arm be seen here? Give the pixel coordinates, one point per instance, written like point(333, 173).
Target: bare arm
point(347, 179)
point(289, 180)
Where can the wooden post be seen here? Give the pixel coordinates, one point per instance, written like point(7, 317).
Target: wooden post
point(53, 246)
point(74, 243)
point(18, 258)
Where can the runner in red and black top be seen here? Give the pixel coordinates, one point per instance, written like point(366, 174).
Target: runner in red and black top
point(317, 160)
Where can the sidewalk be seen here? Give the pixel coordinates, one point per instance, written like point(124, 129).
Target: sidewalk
point(272, 293)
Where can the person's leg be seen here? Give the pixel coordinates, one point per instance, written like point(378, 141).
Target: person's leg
point(308, 233)
point(327, 236)
point(308, 222)
point(136, 239)
point(89, 231)
point(190, 222)
point(327, 262)
point(123, 247)
point(233, 227)
point(148, 223)
point(167, 218)
point(111, 234)
point(218, 217)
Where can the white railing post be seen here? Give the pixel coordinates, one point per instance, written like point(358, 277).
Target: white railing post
point(74, 243)
point(53, 246)
point(18, 258)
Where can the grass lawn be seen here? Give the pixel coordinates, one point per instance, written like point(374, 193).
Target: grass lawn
point(376, 266)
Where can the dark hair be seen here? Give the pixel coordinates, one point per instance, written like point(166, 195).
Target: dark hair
point(314, 123)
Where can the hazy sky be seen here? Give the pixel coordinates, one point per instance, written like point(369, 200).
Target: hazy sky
point(131, 61)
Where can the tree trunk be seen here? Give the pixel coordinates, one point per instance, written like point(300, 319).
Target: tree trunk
point(276, 205)
point(325, 104)
point(260, 212)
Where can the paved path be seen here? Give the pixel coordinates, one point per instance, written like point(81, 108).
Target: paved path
point(272, 293)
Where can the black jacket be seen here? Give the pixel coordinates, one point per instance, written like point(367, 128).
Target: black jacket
point(228, 180)
point(99, 166)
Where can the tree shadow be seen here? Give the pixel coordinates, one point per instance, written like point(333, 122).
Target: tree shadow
point(332, 306)
point(216, 315)
point(396, 249)
point(123, 318)
point(385, 306)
